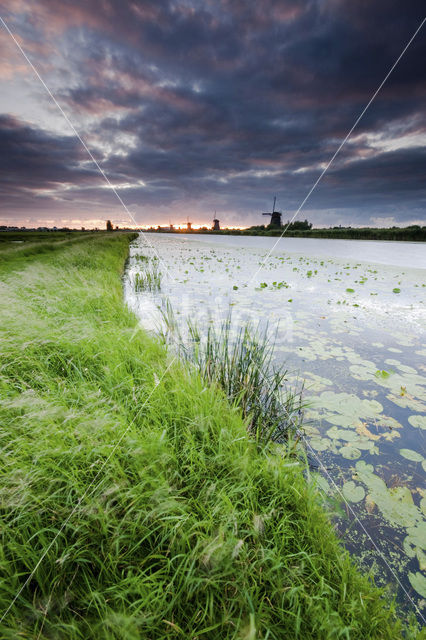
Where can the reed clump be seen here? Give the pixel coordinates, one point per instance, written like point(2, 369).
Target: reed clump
point(150, 278)
point(241, 363)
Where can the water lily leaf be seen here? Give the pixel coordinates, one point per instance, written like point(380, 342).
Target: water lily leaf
point(381, 373)
point(407, 401)
point(409, 454)
point(402, 494)
point(320, 444)
point(350, 453)
point(407, 369)
point(419, 422)
point(342, 434)
point(417, 534)
point(421, 557)
point(418, 582)
point(396, 505)
point(360, 372)
point(362, 467)
point(353, 492)
point(408, 548)
point(345, 409)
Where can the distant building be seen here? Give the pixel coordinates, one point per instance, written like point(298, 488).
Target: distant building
point(188, 226)
point(216, 225)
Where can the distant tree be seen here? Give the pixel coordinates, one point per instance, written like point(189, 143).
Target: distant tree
point(109, 226)
point(298, 225)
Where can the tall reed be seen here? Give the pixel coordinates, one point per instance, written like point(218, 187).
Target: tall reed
point(242, 365)
point(149, 279)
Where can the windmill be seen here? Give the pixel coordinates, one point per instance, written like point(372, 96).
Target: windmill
point(216, 225)
point(275, 216)
point(188, 224)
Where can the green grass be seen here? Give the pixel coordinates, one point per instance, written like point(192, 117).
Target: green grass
point(241, 365)
point(157, 516)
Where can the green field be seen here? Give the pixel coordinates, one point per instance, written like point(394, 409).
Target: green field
point(133, 504)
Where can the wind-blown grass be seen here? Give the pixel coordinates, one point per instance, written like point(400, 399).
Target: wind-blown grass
point(242, 366)
point(157, 515)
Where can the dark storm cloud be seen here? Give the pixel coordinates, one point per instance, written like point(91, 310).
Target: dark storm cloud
point(387, 178)
point(32, 161)
point(47, 177)
point(236, 100)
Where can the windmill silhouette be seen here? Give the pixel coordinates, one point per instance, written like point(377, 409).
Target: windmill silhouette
point(275, 216)
point(216, 225)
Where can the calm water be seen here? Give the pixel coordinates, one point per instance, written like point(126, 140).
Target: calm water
point(350, 320)
point(400, 254)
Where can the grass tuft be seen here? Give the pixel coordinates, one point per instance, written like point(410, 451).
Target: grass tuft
point(242, 366)
point(150, 278)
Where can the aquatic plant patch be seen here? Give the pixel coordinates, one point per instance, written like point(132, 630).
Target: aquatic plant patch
point(358, 344)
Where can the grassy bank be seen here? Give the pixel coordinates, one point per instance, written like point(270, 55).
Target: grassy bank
point(153, 515)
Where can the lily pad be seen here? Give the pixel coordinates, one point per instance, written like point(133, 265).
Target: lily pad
point(319, 444)
point(381, 373)
point(342, 434)
point(363, 467)
point(353, 492)
point(418, 582)
point(346, 409)
point(421, 557)
point(417, 534)
point(409, 454)
point(419, 422)
point(396, 504)
point(350, 453)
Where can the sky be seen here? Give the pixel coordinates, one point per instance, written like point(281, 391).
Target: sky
point(197, 106)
